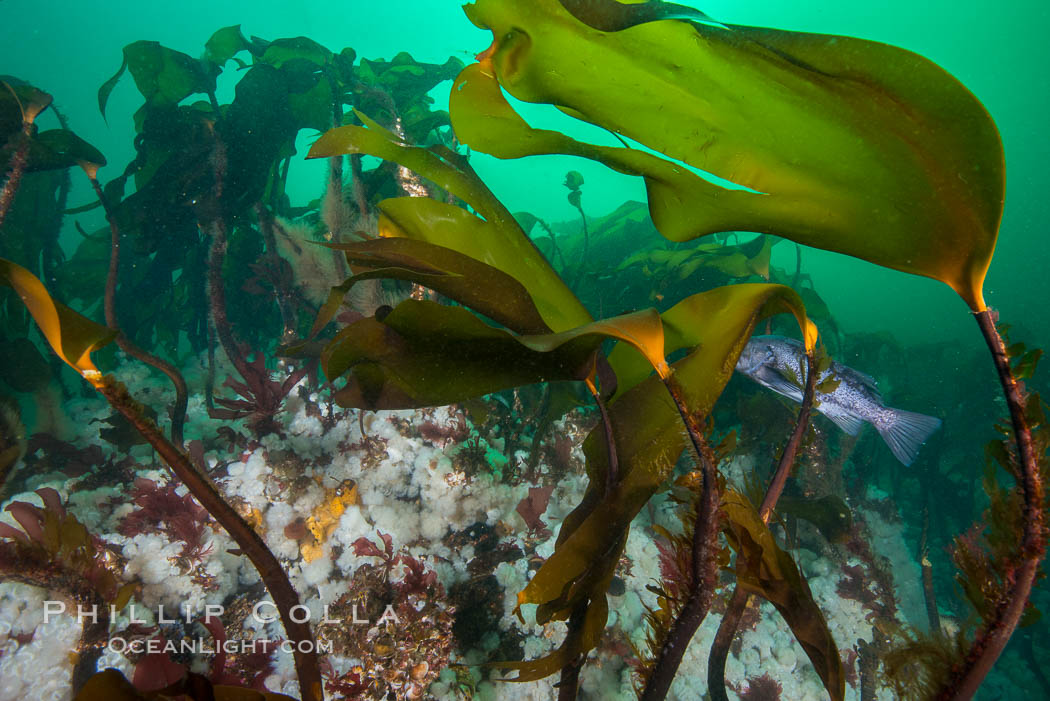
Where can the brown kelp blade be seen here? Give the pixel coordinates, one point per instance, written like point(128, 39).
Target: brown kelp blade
point(163, 76)
point(48, 150)
point(60, 148)
point(428, 354)
point(739, 261)
point(581, 639)
point(481, 287)
point(838, 143)
point(20, 102)
point(72, 336)
point(494, 237)
point(765, 569)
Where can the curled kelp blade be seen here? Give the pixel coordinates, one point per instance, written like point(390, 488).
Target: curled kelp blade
point(53, 149)
point(72, 336)
point(764, 568)
point(427, 354)
point(375, 140)
point(163, 76)
point(224, 44)
point(20, 103)
point(648, 433)
point(466, 280)
point(494, 237)
point(838, 143)
point(60, 148)
point(501, 245)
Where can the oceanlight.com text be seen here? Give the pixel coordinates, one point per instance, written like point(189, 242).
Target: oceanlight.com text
point(201, 646)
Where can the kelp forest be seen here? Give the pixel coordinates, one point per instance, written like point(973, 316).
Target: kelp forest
point(413, 445)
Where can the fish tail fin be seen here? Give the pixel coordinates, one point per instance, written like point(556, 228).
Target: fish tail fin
point(906, 431)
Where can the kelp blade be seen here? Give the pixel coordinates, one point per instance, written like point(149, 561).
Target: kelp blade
point(765, 569)
point(428, 354)
point(501, 245)
point(493, 238)
point(374, 140)
point(649, 438)
point(582, 638)
point(72, 336)
point(698, 319)
point(470, 282)
point(838, 143)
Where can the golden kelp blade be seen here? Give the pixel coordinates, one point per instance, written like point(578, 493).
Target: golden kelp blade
point(649, 439)
point(501, 245)
point(844, 144)
point(642, 330)
point(71, 335)
point(470, 282)
point(493, 238)
point(375, 140)
point(721, 320)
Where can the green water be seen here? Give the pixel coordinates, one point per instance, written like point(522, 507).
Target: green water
point(998, 50)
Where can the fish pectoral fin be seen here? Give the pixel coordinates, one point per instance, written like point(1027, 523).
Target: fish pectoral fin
point(772, 379)
point(847, 422)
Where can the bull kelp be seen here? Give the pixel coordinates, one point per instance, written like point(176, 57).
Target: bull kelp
point(401, 441)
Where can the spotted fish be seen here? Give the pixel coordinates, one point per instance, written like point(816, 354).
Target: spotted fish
point(776, 362)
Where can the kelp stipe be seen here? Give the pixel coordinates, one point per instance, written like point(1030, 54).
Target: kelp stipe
point(31, 103)
point(740, 597)
point(61, 149)
point(73, 337)
point(109, 306)
point(573, 181)
point(677, 583)
point(998, 582)
point(25, 149)
point(703, 559)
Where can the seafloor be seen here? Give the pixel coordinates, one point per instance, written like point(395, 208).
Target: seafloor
point(444, 496)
